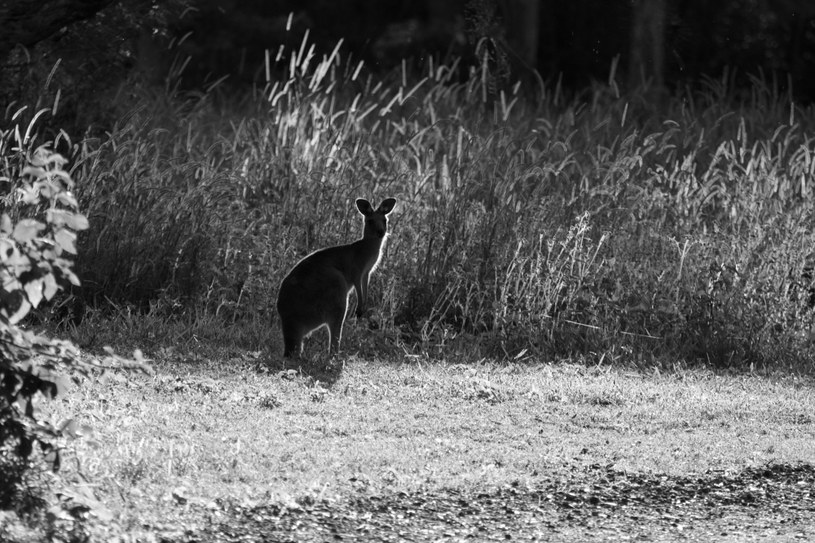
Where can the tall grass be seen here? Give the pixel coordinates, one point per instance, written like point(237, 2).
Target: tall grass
point(529, 222)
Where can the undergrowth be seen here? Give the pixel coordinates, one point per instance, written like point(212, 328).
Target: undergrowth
point(530, 222)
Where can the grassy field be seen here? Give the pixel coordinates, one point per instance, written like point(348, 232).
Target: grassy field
point(593, 290)
point(173, 453)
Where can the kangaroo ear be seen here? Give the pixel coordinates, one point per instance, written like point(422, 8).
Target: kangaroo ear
point(387, 205)
point(364, 206)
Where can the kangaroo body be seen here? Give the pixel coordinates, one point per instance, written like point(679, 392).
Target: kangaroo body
point(315, 292)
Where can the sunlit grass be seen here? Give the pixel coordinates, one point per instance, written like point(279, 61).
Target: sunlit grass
point(203, 432)
point(528, 221)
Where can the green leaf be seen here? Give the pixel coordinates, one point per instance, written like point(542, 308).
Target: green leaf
point(62, 217)
point(46, 157)
point(80, 222)
point(50, 286)
point(33, 289)
point(66, 240)
point(5, 224)
point(71, 277)
point(64, 176)
point(7, 249)
point(35, 171)
point(29, 195)
point(27, 230)
point(46, 189)
point(67, 199)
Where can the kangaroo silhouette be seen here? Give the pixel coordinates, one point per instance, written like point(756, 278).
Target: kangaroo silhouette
point(315, 292)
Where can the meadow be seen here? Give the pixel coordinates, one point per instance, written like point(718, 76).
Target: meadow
point(578, 289)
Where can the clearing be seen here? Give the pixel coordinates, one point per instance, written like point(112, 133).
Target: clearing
point(230, 449)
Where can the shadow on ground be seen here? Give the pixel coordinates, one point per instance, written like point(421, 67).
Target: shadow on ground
point(600, 504)
point(322, 369)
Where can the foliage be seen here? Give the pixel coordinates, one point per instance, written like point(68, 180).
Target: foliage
point(595, 224)
point(84, 71)
point(39, 224)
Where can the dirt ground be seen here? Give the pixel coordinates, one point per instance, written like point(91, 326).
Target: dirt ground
point(773, 503)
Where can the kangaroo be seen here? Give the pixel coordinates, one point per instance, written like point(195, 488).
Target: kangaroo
point(315, 292)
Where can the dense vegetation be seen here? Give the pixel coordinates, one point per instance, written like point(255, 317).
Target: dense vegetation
point(631, 227)
point(635, 228)
point(39, 223)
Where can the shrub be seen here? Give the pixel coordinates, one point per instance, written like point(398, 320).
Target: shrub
point(39, 222)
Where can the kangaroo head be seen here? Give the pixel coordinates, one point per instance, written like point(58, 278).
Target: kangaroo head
point(376, 221)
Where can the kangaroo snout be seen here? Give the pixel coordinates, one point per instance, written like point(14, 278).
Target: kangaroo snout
point(315, 292)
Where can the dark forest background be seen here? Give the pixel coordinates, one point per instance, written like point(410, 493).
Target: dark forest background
point(101, 43)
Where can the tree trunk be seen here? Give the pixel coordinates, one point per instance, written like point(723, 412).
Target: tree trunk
point(522, 25)
point(646, 61)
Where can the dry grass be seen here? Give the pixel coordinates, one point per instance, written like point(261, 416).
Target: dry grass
point(529, 219)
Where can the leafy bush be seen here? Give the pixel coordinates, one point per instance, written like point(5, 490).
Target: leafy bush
point(39, 222)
